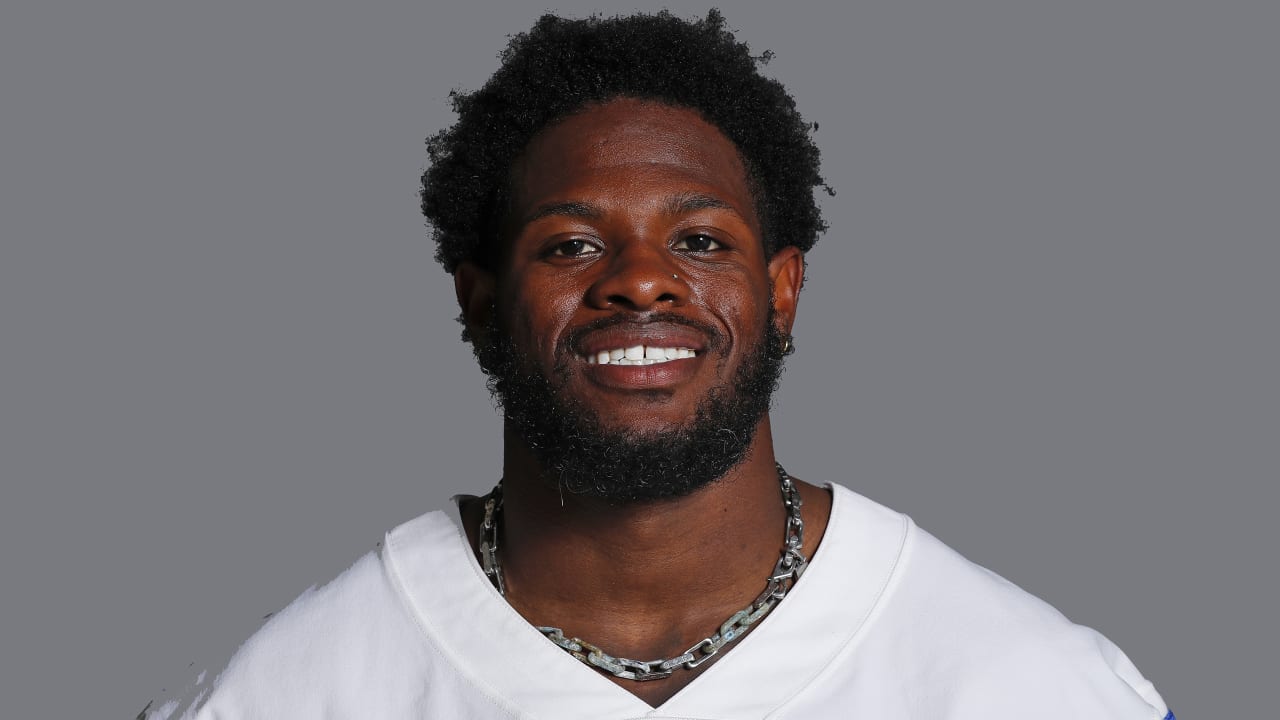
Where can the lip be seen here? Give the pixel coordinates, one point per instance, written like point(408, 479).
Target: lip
point(642, 377)
point(624, 335)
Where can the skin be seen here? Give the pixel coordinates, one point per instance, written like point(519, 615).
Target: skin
point(622, 211)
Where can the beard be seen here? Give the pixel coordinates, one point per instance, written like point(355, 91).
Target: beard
point(618, 466)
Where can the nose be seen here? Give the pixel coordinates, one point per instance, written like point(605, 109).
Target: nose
point(639, 277)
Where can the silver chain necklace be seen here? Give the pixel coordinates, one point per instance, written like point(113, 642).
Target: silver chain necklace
point(785, 573)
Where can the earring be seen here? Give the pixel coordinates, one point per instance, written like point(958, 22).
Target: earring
point(788, 345)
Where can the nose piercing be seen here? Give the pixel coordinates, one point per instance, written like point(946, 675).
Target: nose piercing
point(675, 276)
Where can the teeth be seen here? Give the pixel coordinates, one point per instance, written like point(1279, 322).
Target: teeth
point(639, 355)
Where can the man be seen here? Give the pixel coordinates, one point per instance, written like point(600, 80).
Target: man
point(625, 209)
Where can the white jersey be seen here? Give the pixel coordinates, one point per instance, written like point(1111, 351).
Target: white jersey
point(887, 623)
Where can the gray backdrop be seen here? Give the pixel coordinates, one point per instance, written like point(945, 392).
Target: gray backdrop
point(1043, 321)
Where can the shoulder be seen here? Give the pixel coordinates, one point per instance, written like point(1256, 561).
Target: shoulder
point(971, 639)
point(288, 665)
point(333, 651)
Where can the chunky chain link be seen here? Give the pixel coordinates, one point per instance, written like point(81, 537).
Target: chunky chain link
point(489, 543)
point(785, 573)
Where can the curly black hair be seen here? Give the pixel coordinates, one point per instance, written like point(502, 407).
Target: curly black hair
point(561, 66)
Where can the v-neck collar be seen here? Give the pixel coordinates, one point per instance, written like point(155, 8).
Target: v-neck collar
point(507, 659)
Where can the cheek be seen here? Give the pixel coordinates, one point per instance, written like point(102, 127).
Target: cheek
point(739, 299)
point(538, 313)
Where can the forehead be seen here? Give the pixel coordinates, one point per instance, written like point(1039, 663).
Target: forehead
point(618, 152)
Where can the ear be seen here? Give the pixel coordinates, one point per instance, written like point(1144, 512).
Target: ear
point(786, 271)
point(474, 287)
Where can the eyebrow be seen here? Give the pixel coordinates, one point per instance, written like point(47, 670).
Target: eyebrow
point(691, 202)
point(565, 209)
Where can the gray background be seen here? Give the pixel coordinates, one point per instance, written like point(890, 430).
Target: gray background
point(1043, 322)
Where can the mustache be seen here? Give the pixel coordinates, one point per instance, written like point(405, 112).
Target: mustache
point(714, 336)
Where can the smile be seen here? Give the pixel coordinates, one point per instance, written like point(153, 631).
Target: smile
point(639, 355)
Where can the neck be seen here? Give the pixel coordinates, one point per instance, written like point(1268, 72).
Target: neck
point(638, 556)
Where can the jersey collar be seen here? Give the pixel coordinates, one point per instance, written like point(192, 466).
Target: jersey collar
point(506, 658)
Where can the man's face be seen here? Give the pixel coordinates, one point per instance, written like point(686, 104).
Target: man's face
point(632, 225)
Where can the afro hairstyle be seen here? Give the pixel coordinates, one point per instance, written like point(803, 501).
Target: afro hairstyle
point(562, 66)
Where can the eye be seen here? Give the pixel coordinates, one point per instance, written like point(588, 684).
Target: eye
point(574, 248)
point(698, 243)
